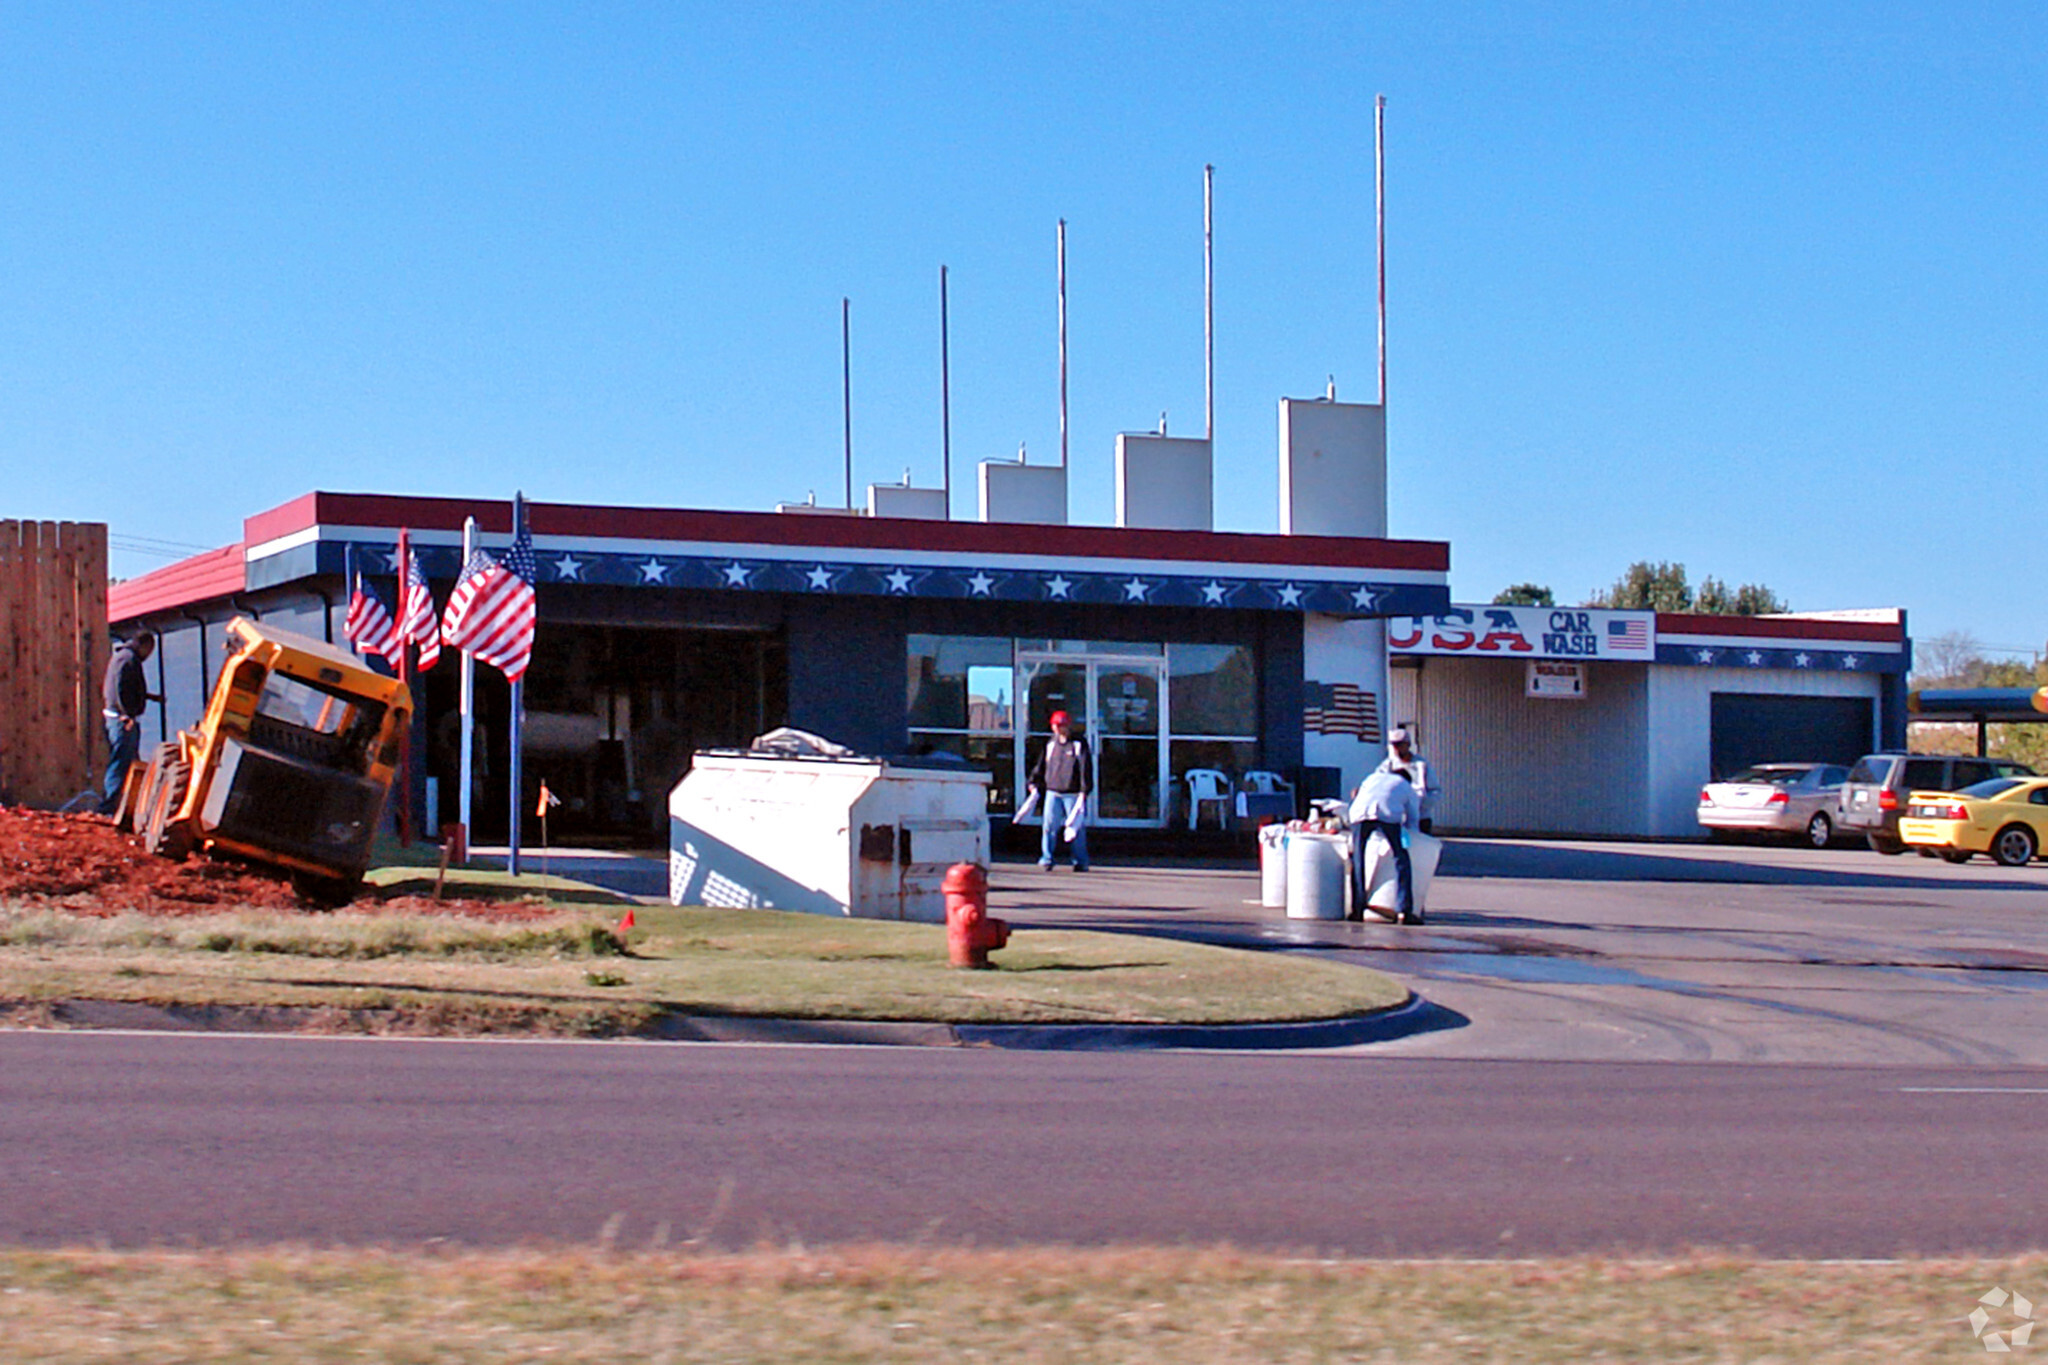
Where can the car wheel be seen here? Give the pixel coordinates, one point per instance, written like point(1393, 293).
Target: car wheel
point(1819, 830)
point(1885, 844)
point(1956, 855)
point(2013, 846)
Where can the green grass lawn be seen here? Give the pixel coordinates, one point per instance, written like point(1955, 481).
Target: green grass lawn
point(576, 972)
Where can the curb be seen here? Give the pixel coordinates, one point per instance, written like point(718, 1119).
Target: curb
point(1416, 1016)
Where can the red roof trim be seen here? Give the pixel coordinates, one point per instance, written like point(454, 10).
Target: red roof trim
point(216, 573)
point(1778, 628)
point(840, 532)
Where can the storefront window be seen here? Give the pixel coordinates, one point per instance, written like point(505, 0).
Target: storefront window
point(1151, 712)
point(1215, 690)
point(961, 693)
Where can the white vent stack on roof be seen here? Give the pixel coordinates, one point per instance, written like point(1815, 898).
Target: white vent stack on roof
point(1333, 468)
point(901, 500)
point(1166, 483)
point(1014, 491)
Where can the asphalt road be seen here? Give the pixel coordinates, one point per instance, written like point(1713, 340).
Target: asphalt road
point(1655, 952)
point(1652, 1048)
point(175, 1139)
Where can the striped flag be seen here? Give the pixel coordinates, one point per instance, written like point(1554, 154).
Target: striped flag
point(1630, 634)
point(369, 626)
point(491, 611)
point(1340, 709)
point(417, 624)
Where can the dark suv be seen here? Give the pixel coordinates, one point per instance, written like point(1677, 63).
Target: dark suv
point(1871, 801)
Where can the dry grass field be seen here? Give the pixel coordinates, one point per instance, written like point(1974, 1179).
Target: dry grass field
point(1076, 1307)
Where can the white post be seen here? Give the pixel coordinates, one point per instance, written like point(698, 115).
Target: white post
point(468, 694)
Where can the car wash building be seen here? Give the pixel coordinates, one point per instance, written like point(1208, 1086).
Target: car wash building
point(1184, 652)
point(1573, 720)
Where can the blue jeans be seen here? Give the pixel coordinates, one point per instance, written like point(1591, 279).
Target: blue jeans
point(1057, 807)
point(124, 745)
point(1404, 871)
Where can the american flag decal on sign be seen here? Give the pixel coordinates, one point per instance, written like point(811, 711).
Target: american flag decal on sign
point(1341, 709)
point(1628, 634)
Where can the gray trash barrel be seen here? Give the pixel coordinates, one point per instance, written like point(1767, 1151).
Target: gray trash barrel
point(1315, 876)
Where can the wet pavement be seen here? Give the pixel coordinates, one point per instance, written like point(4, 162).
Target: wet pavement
point(1652, 952)
point(1585, 951)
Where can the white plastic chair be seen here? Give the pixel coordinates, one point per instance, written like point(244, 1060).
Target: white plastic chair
point(1207, 784)
point(1267, 784)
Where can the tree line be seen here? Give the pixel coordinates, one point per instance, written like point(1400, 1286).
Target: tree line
point(1659, 586)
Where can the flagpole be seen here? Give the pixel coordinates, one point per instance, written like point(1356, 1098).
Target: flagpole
point(405, 675)
point(467, 705)
point(518, 724)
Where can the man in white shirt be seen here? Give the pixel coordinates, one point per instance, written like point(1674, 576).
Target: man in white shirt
point(1401, 754)
point(1386, 803)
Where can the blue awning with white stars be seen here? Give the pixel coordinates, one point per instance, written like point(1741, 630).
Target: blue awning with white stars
point(1810, 658)
point(959, 581)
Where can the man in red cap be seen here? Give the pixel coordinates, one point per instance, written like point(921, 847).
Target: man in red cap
point(1063, 779)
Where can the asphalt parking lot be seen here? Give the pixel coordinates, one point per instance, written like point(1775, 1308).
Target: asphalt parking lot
point(1652, 952)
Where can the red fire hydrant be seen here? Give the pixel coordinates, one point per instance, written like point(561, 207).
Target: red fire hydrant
point(970, 933)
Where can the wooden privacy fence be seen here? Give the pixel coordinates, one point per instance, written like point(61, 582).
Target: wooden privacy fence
point(53, 651)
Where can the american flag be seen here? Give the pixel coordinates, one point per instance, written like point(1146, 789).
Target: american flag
point(491, 611)
point(1340, 709)
point(370, 627)
point(418, 625)
point(1630, 634)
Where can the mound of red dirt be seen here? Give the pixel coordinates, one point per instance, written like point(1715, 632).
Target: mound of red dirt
point(82, 864)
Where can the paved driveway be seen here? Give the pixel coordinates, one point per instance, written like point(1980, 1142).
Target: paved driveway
point(1603, 951)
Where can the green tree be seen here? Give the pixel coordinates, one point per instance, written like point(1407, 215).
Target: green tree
point(1524, 595)
point(1716, 598)
point(1647, 587)
point(1661, 586)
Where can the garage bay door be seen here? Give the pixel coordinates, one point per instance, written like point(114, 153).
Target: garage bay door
point(1753, 728)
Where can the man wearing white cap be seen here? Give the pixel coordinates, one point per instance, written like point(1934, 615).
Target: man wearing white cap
point(1401, 756)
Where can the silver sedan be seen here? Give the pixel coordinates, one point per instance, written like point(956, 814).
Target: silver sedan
point(1793, 800)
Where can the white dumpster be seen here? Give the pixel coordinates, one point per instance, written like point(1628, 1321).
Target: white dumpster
point(1380, 892)
point(857, 836)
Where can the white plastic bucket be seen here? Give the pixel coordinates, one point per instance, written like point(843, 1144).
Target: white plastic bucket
point(1315, 876)
point(1273, 866)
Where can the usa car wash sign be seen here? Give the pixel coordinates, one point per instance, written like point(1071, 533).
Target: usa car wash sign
point(1528, 633)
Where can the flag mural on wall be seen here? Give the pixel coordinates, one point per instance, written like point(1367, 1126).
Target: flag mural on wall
point(491, 611)
point(369, 627)
point(1340, 709)
point(417, 623)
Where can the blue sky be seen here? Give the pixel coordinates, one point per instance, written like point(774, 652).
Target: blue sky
point(1760, 288)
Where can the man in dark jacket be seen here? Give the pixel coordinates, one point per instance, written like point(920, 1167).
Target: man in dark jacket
point(125, 695)
point(1063, 779)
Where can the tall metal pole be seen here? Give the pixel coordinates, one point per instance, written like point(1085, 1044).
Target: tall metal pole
point(1379, 138)
point(406, 759)
point(846, 387)
point(516, 731)
point(1209, 297)
point(945, 394)
point(1063, 343)
point(468, 701)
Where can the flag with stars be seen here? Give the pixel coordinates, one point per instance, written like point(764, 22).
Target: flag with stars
point(417, 623)
point(369, 627)
point(1340, 709)
point(491, 612)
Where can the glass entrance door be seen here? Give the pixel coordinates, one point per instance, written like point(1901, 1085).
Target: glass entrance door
point(1118, 705)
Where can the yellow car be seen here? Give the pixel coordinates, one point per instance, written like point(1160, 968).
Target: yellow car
point(2006, 817)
